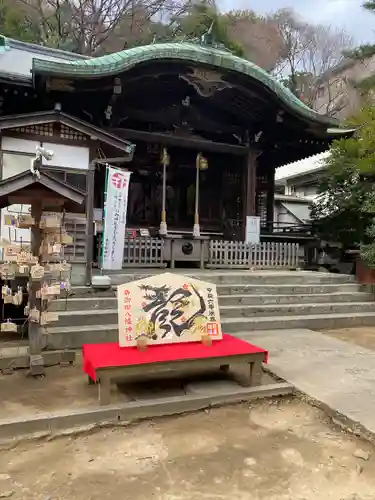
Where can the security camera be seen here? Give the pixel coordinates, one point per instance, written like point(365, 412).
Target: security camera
point(36, 162)
point(45, 153)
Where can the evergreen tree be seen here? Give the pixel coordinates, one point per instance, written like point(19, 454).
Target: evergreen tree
point(14, 23)
point(370, 5)
point(345, 209)
point(203, 19)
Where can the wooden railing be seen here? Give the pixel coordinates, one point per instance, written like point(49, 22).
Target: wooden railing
point(236, 254)
point(143, 252)
point(289, 228)
point(233, 228)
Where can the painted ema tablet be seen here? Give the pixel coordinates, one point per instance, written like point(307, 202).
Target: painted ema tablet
point(166, 309)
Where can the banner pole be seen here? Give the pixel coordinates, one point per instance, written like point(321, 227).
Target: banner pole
point(103, 220)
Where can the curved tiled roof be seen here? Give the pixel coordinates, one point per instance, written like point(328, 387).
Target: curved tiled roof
point(182, 51)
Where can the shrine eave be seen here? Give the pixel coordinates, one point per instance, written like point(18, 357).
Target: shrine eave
point(114, 64)
point(335, 131)
point(27, 119)
point(19, 186)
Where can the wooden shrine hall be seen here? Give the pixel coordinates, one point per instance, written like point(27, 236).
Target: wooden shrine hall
point(201, 130)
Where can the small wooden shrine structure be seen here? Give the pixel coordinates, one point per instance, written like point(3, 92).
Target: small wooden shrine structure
point(39, 268)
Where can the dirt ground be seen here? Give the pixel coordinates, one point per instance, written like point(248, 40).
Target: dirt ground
point(270, 450)
point(65, 388)
point(362, 336)
point(62, 388)
point(279, 450)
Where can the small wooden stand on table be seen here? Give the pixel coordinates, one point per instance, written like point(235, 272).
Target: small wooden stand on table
point(187, 335)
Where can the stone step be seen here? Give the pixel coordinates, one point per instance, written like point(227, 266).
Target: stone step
point(286, 278)
point(232, 300)
point(109, 315)
point(248, 277)
point(87, 317)
point(87, 291)
point(283, 289)
point(309, 321)
point(90, 316)
point(270, 310)
point(84, 304)
point(67, 337)
point(94, 302)
point(276, 289)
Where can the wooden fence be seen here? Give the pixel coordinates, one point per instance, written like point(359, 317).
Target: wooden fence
point(143, 252)
point(149, 252)
point(236, 254)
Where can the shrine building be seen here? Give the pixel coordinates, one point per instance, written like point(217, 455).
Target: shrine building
point(201, 130)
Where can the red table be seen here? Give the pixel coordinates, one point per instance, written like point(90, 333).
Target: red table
point(108, 362)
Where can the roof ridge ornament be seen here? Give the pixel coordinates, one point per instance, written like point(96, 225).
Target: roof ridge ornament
point(208, 39)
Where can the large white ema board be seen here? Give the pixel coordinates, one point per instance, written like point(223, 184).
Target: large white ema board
point(166, 309)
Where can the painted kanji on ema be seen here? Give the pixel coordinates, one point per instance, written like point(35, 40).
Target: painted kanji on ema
point(167, 308)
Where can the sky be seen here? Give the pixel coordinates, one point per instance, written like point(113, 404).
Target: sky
point(346, 14)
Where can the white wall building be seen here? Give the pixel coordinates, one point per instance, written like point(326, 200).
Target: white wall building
point(296, 187)
point(17, 155)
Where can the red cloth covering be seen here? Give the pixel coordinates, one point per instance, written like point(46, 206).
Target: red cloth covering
point(97, 356)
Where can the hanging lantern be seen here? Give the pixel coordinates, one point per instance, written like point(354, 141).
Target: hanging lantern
point(164, 157)
point(201, 162)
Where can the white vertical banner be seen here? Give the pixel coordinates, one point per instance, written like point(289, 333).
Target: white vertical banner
point(252, 230)
point(116, 205)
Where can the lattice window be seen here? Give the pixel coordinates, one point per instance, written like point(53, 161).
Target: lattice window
point(73, 178)
point(261, 207)
point(232, 201)
point(45, 129)
point(261, 179)
point(261, 196)
point(76, 180)
point(70, 133)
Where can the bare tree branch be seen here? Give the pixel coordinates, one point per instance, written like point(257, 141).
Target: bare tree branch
point(85, 25)
point(259, 37)
point(311, 52)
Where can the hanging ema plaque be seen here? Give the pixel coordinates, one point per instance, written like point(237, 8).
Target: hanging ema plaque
point(166, 309)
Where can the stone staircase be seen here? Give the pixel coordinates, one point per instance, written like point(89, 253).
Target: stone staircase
point(248, 301)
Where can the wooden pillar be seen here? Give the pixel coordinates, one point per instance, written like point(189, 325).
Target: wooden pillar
point(90, 185)
point(34, 329)
point(270, 198)
point(249, 188)
point(196, 227)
